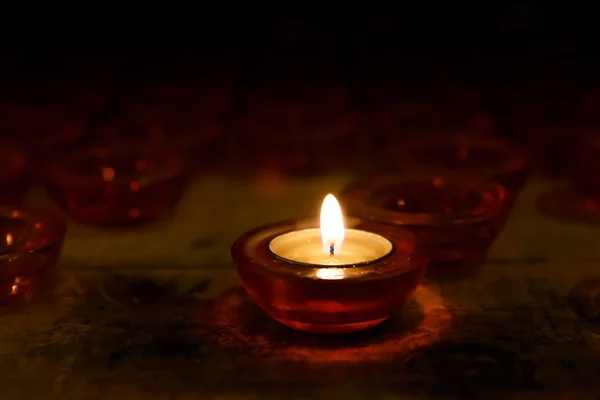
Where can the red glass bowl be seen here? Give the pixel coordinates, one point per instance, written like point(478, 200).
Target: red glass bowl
point(189, 113)
point(296, 152)
point(297, 100)
point(15, 176)
point(499, 160)
point(30, 245)
point(42, 127)
point(188, 131)
point(548, 128)
point(585, 167)
point(434, 93)
point(206, 98)
point(579, 201)
point(424, 106)
point(302, 297)
point(117, 185)
point(457, 219)
point(296, 127)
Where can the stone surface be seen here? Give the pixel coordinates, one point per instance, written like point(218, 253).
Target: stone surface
point(158, 313)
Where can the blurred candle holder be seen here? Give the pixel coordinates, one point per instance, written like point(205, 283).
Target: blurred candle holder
point(15, 175)
point(549, 127)
point(30, 245)
point(298, 278)
point(190, 117)
point(42, 128)
point(296, 128)
point(457, 218)
point(119, 185)
point(400, 110)
point(187, 117)
point(491, 158)
point(585, 167)
point(304, 152)
point(578, 201)
point(88, 98)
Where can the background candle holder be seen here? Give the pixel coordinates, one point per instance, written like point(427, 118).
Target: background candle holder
point(117, 185)
point(548, 127)
point(398, 110)
point(41, 128)
point(457, 218)
point(316, 150)
point(30, 245)
point(15, 176)
point(190, 117)
point(578, 199)
point(496, 159)
point(185, 117)
point(296, 127)
point(322, 299)
point(585, 167)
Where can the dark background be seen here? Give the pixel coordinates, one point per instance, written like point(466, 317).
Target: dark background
point(544, 56)
point(39, 40)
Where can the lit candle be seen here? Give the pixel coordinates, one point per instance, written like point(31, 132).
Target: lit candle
point(329, 278)
point(331, 245)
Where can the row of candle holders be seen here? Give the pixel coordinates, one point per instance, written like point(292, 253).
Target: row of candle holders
point(123, 184)
point(446, 207)
point(304, 126)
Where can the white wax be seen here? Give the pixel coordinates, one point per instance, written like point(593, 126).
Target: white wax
point(305, 246)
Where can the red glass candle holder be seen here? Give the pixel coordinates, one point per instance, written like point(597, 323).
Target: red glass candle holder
point(190, 113)
point(297, 152)
point(42, 128)
point(205, 98)
point(579, 199)
point(406, 109)
point(563, 202)
point(423, 94)
point(548, 128)
point(456, 218)
point(87, 96)
point(296, 127)
point(15, 176)
point(30, 244)
point(328, 299)
point(117, 185)
point(585, 167)
point(188, 131)
point(496, 159)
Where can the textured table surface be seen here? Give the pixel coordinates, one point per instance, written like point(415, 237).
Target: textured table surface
point(158, 313)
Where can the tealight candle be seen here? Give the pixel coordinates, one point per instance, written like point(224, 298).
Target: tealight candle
point(330, 279)
point(324, 246)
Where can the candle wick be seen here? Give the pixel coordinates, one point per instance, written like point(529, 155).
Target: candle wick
point(331, 250)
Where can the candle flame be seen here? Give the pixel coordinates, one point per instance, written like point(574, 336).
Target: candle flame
point(332, 225)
